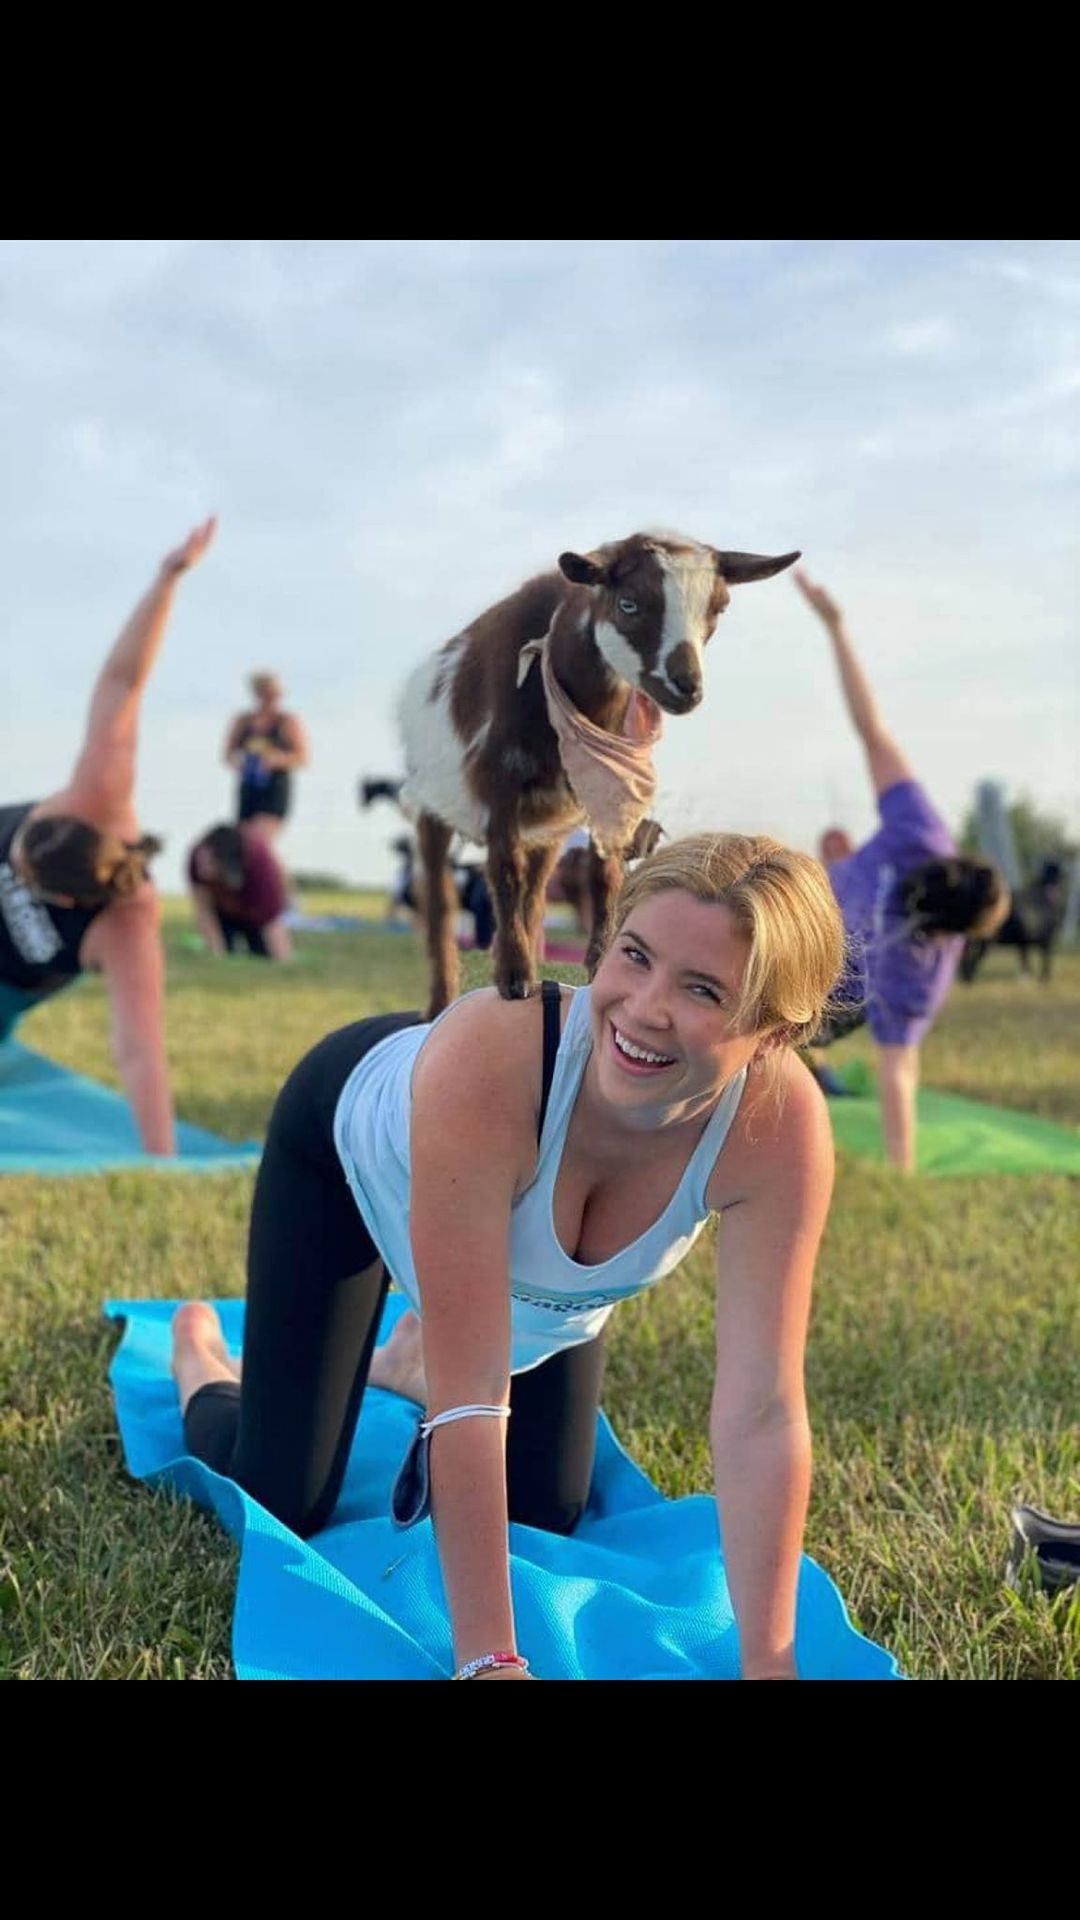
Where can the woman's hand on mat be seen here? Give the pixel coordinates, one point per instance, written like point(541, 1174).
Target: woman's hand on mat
point(823, 603)
point(192, 550)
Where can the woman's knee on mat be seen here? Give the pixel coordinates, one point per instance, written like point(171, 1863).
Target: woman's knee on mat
point(552, 1516)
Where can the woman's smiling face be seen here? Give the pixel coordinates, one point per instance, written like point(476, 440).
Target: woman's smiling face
point(663, 1000)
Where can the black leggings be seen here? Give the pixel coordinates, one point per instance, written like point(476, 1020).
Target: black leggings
point(242, 932)
point(316, 1286)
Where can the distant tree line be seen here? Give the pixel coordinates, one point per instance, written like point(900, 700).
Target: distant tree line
point(1039, 836)
point(314, 882)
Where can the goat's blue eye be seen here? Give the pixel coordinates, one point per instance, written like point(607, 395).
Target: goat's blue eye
point(627, 606)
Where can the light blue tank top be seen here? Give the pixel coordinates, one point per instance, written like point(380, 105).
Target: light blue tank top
point(555, 1301)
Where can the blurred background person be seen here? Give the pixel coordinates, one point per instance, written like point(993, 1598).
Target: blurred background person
point(909, 901)
point(266, 746)
point(404, 903)
point(75, 890)
point(239, 893)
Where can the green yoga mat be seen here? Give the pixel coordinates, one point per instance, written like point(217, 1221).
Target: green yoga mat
point(194, 943)
point(956, 1136)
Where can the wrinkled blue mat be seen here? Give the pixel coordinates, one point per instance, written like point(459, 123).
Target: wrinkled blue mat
point(55, 1121)
point(637, 1592)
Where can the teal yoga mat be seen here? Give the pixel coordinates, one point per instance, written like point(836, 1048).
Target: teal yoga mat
point(54, 1121)
point(955, 1136)
point(637, 1591)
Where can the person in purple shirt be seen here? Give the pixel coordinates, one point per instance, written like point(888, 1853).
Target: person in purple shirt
point(239, 893)
point(909, 901)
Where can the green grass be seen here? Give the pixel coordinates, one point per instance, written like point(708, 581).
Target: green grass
point(943, 1367)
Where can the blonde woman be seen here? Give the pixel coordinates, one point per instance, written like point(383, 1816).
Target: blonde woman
point(75, 891)
point(265, 746)
point(520, 1167)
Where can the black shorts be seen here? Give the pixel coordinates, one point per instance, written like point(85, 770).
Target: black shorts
point(236, 933)
point(272, 798)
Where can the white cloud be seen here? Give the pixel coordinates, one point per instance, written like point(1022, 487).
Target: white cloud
point(1034, 274)
point(932, 337)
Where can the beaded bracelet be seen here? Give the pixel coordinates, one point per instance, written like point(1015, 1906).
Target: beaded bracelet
point(484, 1663)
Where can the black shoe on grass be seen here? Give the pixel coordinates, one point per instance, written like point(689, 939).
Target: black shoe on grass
point(1055, 1544)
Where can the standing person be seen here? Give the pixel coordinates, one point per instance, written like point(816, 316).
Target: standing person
point(265, 747)
point(75, 891)
point(520, 1166)
point(239, 893)
point(908, 899)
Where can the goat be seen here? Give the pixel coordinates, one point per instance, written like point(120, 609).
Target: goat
point(1036, 920)
point(619, 633)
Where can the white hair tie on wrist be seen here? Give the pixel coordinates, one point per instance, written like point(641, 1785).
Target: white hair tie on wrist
point(410, 1497)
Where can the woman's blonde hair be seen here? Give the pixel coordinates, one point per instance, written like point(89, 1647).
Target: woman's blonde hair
point(261, 682)
point(781, 902)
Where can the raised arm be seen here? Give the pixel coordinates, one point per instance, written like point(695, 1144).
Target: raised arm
point(103, 784)
point(886, 762)
point(473, 1112)
point(124, 943)
point(232, 752)
point(766, 1249)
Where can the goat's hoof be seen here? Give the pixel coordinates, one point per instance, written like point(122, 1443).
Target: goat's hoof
point(518, 986)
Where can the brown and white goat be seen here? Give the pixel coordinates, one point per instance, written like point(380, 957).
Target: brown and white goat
point(626, 622)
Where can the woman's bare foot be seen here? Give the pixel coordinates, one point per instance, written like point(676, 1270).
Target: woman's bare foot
point(399, 1365)
point(199, 1352)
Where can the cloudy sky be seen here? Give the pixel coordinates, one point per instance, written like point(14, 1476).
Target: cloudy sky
point(395, 433)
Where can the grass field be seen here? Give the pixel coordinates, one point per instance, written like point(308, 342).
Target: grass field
point(943, 1368)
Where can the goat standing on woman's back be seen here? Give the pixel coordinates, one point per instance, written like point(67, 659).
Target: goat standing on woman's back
point(540, 716)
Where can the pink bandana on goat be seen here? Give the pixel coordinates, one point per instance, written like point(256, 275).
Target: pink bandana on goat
point(612, 777)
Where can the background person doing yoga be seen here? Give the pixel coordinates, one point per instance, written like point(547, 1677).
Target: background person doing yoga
point(75, 894)
point(238, 893)
point(908, 899)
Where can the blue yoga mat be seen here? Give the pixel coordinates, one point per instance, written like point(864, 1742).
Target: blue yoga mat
point(638, 1591)
point(55, 1121)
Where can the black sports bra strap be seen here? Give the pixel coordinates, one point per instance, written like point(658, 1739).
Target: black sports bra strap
point(552, 998)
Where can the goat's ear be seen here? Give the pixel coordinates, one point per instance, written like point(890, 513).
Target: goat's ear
point(582, 569)
point(739, 568)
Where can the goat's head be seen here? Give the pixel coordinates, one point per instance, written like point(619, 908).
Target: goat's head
point(656, 600)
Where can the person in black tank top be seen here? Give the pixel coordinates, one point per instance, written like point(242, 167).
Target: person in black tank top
point(39, 941)
point(265, 747)
point(75, 894)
